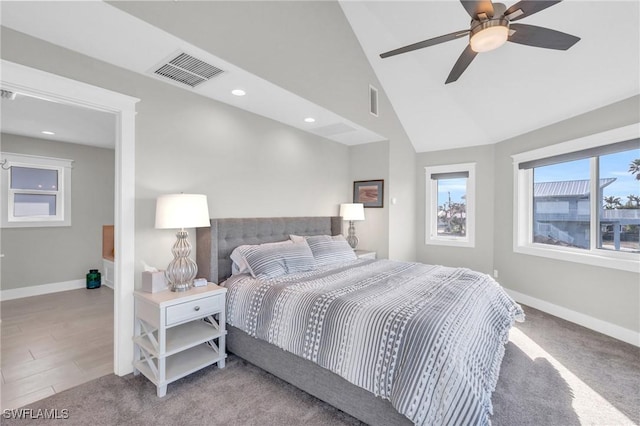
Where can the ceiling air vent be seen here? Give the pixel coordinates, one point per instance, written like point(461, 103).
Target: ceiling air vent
point(188, 70)
point(333, 129)
point(373, 100)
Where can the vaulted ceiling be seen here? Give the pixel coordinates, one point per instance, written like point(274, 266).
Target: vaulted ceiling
point(506, 92)
point(502, 94)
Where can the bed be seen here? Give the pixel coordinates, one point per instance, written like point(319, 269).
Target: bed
point(414, 366)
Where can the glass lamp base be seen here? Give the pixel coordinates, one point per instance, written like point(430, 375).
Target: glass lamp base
point(180, 287)
point(182, 270)
point(351, 237)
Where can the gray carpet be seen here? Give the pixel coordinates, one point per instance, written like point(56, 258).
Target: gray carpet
point(542, 356)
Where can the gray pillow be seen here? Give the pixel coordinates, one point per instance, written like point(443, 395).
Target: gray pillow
point(239, 264)
point(274, 260)
point(327, 250)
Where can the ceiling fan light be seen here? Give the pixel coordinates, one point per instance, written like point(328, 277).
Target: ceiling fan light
point(489, 38)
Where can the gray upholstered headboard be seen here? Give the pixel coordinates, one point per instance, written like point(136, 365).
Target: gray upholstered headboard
point(215, 244)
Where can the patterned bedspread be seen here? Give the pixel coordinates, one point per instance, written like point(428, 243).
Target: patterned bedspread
point(430, 339)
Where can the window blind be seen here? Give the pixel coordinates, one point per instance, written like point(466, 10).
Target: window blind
point(450, 175)
point(582, 154)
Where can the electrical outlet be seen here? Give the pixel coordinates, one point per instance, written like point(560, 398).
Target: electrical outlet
point(495, 273)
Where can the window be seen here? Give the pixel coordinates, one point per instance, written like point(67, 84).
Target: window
point(450, 206)
point(580, 200)
point(37, 191)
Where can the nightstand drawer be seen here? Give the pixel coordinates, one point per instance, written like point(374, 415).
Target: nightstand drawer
point(195, 309)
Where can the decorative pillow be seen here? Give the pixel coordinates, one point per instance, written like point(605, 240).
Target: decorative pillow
point(327, 250)
point(239, 264)
point(274, 259)
point(297, 238)
point(299, 258)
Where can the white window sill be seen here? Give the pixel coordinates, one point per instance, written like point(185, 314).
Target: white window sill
point(452, 242)
point(614, 260)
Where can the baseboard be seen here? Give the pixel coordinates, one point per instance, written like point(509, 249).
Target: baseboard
point(36, 290)
point(604, 327)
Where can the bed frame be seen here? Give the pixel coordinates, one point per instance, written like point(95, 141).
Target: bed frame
point(213, 248)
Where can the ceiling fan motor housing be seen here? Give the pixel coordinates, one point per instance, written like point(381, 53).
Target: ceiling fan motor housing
point(491, 27)
point(494, 34)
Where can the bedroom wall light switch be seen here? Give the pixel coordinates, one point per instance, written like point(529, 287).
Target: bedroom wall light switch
point(495, 273)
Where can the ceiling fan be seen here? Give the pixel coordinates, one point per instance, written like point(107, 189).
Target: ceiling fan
point(491, 27)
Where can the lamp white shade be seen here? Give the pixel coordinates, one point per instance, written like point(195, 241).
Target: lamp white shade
point(175, 211)
point(353, 211)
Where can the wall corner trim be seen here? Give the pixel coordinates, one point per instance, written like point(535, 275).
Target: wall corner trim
point(617, 332)
point(37, 290)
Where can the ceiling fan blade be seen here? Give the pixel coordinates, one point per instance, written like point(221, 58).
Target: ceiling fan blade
point(461, 64)
point(528, 8)
point(425, 43)
point(541, 37)
point(476, 7)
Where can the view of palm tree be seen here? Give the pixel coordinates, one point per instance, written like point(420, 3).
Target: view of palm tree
point(452, 207)
point(452, 218)
point(563, 201)
point(634, 168)
point(627, 233)
point(612, 202)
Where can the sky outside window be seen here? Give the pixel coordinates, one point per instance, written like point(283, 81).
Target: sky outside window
point(456, 187)
point(611, 166)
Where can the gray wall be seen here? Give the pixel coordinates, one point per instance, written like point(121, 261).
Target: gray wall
point(479, 257)
point(603, 293)
point(35, 256)
point(369, 162)
point(247, 165)
point(310, 49)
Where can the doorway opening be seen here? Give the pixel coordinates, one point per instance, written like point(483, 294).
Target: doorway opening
point(36, 83)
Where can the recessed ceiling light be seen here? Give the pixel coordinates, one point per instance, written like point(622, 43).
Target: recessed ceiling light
point(47, 132)
point(310, 120)
point(238, 92)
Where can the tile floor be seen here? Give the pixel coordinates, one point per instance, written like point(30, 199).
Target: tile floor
point(52, 342)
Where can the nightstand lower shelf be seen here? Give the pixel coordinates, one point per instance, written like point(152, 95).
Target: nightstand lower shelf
point(180, 365)
point(181, 337)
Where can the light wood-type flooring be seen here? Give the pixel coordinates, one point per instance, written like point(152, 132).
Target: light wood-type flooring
point(53, 342)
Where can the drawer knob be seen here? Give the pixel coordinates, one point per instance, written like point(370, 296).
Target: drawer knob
point(197, 308)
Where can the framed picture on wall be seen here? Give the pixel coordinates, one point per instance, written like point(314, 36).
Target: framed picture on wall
point(369, 192)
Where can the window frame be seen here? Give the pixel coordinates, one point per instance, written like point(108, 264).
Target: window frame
point(431, 206)
point(62, 194)
point(523, 204)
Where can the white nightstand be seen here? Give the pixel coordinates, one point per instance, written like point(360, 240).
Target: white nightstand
point(365, 254)
point(176, 333)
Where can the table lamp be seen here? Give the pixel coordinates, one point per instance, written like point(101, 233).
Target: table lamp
point(180, 211)
point(352, 212)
